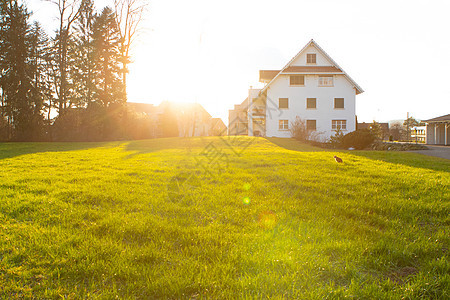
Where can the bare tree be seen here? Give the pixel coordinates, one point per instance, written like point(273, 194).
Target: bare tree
point(299, 130)
point(129, 14)
point(68, 12)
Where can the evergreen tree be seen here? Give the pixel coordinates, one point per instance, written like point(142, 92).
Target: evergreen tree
point(409, 124)
point(376, 130)
point(21, 103)
point(109, 86)
point(40, 63)
point(84, 51)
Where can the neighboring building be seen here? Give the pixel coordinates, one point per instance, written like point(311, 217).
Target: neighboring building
point(149, 124)
point(437, 130)
point(312, 86)
point(238, 119)
point(179, 119)
point(217, 127)
point(384, 128)
point(193, 119)
point(418, 134)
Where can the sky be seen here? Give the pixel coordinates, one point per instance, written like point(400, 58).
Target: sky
point(210, 52)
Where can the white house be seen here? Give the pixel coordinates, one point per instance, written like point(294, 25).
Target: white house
point(311, 86)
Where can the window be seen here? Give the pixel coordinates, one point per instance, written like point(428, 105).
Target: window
point(325, 80)
point(339, 124)
point(297, 80)
point(311, 103)
point(310, 124)
point(283, 103)
point(283, 124)
point(311, 58)
point(338, 103)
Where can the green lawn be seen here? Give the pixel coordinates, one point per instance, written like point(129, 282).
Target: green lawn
point(221, 218)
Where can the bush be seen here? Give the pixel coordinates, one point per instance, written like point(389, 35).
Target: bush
point(336, 140)
point(359, 139)
point(301, 133)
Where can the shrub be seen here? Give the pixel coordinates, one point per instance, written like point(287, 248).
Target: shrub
point(359, 139)
point(336, 139)
point(300, 132)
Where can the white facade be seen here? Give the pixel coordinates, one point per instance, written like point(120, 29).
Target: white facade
point(319, 78)
point(324, 112)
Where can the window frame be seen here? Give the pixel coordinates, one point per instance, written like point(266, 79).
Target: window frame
point(310, 55)
point(343, 103)
point(279, 103)
point(298, 76)
point(326, 83)
point(341, 123)
point(315, 103)
point(283, 125)
point(308, 126)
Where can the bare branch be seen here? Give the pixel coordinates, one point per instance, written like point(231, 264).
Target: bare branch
point(128, 14)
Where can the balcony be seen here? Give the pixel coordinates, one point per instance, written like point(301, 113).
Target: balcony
point(259, 112)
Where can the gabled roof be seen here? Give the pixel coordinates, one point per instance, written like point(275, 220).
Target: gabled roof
point(439, 119)
point(217, 122)
point(267, 75)
point(311, 69)
point(142, 107)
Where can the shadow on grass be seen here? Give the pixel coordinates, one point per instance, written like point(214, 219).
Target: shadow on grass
point(9, 150)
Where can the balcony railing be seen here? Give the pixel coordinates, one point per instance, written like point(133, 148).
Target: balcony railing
point(260, 112)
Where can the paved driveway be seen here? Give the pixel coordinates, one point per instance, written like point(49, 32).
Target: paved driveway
point(438, 151)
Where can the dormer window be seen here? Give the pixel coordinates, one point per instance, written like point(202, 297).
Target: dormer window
point(311, 58)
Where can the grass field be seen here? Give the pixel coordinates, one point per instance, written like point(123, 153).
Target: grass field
point(221, 218)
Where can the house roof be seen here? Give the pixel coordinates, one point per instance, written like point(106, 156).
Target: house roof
point(309, 69)
point(142, 107)
point(439, 119)
point(288, 68)
point(218, 122)
point(267, 75)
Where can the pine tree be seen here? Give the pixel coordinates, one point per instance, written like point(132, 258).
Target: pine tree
point(84, 51)
point(20, 102)
point(107, 58)
point(40, 63)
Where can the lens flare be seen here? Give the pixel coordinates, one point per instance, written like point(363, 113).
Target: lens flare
point(246, 200)
point(247, 186)
point(267, 219)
